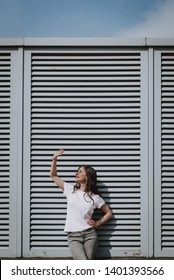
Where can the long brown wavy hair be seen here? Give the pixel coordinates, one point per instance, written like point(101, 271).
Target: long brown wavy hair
point(91, 184)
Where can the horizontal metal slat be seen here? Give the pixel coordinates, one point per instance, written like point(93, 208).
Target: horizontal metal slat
point(109, 184)
point(54, 128)
point(87, 68)
point(86, 107)
point(85, 74)
point(85, 62)
point(86, 103)
point(86, 94)
point(48, 244)
point(87, 55)
point(58, 80)
point(125, 200)
point(89, 118)
point(85, 98)
point(93, 136)
point(40, 195)
point(50, 150)
point(4, 62)
point(118, 88)
point(86, 51)
point(125, 83)
point(80, 153)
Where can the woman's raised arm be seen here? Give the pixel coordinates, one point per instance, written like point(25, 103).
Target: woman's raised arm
point(53, 171)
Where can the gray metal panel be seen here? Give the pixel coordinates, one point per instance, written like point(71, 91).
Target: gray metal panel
point(10, 149)
point(164, 146)
point(93, 102)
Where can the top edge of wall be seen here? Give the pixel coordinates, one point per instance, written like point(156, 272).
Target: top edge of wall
point(56, 42)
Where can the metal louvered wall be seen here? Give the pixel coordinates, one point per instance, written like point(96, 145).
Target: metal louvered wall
point(10, 153)
point(89, 102)
point(165, 151)
point(5, 77)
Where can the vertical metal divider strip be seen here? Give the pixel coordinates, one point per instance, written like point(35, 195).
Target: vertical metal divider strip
point(144, 152)
point(22, 175)
point(16, 153)
point(157, 154)
point(26, 153)
point(151, 151)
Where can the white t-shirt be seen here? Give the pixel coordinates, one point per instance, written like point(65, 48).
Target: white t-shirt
point(80, 208)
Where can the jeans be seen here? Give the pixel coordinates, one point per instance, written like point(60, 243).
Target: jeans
point(83, 244)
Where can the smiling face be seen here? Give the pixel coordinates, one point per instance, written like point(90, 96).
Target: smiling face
point(81, 176)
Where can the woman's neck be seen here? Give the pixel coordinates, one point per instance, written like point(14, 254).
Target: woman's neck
point(82, 187)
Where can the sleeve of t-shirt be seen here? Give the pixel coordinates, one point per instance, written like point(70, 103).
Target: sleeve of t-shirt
point(67, 188)
point(99, 202)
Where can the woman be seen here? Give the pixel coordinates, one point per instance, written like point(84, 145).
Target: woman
point(82, 199)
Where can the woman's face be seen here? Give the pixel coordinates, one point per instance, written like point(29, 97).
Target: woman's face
point(81, 176)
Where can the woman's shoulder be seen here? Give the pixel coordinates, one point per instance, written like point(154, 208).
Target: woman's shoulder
point(96, 194)
point(98, 199)
point(68, 187)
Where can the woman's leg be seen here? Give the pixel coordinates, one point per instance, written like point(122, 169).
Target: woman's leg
point(76, 245)
point(90, 243)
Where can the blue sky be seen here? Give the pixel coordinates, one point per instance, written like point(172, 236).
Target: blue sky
point(86, 18)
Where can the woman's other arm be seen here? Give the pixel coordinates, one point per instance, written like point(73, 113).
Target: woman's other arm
point(108, 215)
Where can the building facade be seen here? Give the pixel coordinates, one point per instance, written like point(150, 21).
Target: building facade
point(110, 104)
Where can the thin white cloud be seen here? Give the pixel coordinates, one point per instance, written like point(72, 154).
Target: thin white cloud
point(156, 23)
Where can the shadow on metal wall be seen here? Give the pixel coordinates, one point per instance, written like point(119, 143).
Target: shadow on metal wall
point(105, 232)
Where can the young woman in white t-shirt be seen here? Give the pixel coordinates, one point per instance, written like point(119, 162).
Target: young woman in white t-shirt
point(82, 199)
